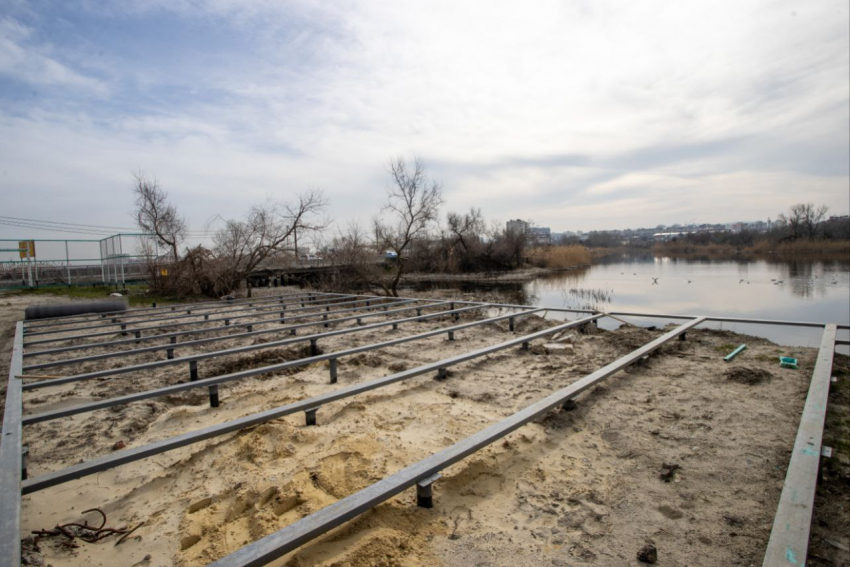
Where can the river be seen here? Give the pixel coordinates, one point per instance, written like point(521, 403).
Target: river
point(795, 290)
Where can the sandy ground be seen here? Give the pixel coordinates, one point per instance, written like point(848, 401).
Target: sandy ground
point(580, 487)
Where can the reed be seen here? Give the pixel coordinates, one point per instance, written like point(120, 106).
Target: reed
point(560, 257)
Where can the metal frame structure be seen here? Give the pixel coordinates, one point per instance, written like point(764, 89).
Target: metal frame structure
point(113, 265)
point(789, 537)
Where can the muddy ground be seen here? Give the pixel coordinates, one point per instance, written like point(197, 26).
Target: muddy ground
point(685, 452)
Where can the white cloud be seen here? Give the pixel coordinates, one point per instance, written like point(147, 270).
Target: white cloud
point(578, 115)
point(34, 67)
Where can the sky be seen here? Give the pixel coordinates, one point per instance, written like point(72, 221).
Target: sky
point(576, 115)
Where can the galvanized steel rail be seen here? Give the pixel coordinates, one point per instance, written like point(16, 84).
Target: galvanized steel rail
point(129, 455)
point(153, 311)
point(222, 314)
point(287, 328)
point(789, 538)
point(11, 460)
point(247, 324)
point(297, 534)
point(235, 350)
point(227, 319)
point(791, 525)
point(306, 361)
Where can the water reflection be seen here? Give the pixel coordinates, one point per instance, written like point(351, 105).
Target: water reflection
point(789, 290)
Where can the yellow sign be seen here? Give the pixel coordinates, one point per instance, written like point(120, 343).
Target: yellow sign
point(163, 272)
point(24, 245)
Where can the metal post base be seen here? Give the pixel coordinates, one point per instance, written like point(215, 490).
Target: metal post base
point(424, 491)
point(310, 416)
point(214, 401)
point(333, 370)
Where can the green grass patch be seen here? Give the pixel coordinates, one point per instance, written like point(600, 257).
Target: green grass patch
point(725, 348)
point(137, 294)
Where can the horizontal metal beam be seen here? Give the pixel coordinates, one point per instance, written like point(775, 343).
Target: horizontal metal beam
point(223, 310)
point(305, 361)
point(668, 316)
point(150, 311)
point(789, 538)
point(129, 455)
point(230, 351)
point(11, 460)
point(293, 536)
point(197, 324)
point(279, 329)
point(145, 338)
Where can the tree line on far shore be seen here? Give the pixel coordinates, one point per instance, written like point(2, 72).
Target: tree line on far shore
point(407, 234)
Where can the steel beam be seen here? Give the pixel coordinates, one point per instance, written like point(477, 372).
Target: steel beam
point(215, 353)
point(195, 323)
point(789, 538)
point(129, 455)
point(275, 307)
point(175, 334)
point(314, 358)
point(297, 534)
point(11, 460)
point(146, 311)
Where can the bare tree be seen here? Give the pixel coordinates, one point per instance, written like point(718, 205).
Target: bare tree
point(242, 245)
point(413, 203)
point(155, 215)
point(813, 218)
point(803, 220)
point(464, 233)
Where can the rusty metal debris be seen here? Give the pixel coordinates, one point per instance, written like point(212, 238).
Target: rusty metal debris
point(85, 532)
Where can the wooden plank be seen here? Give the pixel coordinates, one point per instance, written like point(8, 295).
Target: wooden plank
point(789, 539)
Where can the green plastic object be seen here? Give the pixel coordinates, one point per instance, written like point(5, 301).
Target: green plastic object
point(735, 353)
point(788, 362)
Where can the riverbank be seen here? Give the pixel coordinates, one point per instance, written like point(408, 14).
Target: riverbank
point(521, 275)
point(824, 250)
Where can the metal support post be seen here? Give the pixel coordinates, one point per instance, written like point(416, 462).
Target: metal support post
point(138, 336)
point(193, 370)
point(424, 491)
point(25, 457)
point(451, 335)
point(169, 354)
point(214, 402)
point(442, 374)
point(511, 324)
point(310, 416)
point(314, 347)
point(333, 365)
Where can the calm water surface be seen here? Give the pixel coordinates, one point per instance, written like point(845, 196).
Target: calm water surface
point(799, 291)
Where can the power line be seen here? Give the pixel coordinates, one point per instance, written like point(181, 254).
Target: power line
point(77, 228)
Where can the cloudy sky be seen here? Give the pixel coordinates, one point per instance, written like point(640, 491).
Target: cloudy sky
point(577, 114)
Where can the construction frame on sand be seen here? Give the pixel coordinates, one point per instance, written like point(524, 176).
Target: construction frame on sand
point(151, 330)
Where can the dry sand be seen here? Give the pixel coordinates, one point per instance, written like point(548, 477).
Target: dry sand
point(580, 487)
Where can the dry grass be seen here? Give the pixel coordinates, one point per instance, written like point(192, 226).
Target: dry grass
point(807, 249)
point(560, 257)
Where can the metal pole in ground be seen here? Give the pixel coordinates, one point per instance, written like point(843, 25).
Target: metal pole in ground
point(67, 262)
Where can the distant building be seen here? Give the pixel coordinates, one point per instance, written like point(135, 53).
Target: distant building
point(540, 234)
point(517, 226)
point(667, 236)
